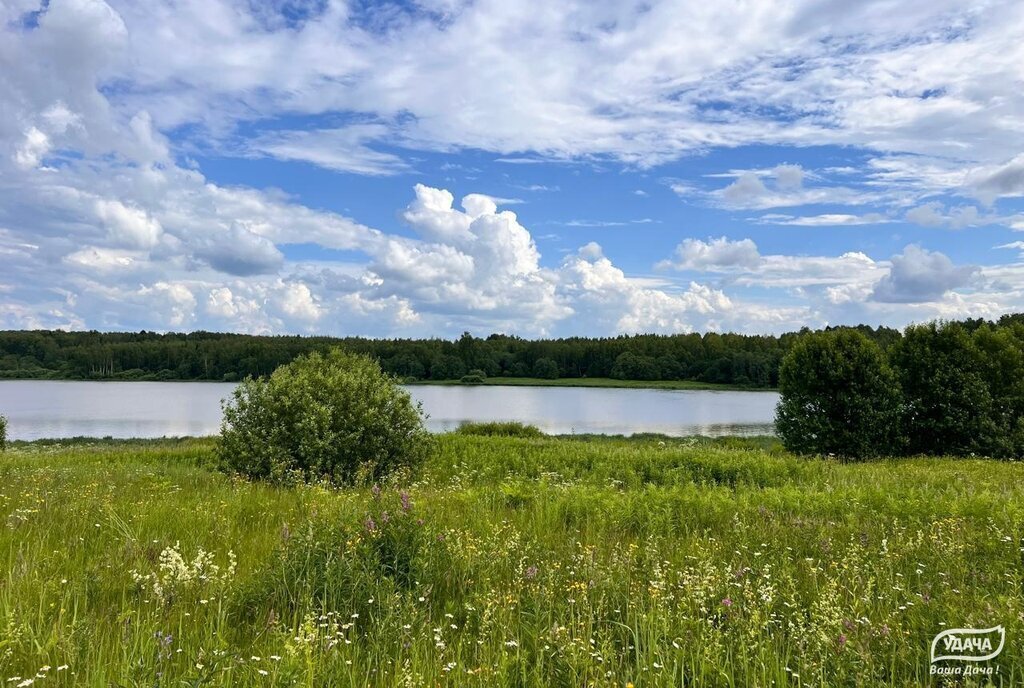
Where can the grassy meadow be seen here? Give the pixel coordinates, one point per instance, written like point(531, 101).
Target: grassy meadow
point(503, 562)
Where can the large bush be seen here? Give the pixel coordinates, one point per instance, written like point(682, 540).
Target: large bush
point(839, 397)
point(335, 416)
point(3, 433)
point(949, 404)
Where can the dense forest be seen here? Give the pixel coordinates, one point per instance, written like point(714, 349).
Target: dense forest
point(742, 360)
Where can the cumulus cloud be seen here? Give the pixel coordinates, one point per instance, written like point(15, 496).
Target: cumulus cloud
point(779, 187)
point(934, 214)
point(106, 223)
point(919, 275)
point(714, 254)
point(128, 226)
point(998, 181)
point(607, 296)
point(237, 251)
point(922, 83)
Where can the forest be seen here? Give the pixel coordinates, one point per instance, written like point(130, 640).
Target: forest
point(723, 358)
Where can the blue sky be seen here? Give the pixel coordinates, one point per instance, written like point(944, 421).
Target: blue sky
point(420, 169)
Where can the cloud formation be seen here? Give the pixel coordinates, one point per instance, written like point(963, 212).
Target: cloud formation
point(106, 222)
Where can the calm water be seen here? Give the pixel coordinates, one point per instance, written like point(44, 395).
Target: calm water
point(38, 409)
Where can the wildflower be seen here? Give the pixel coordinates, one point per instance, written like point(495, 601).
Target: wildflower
point(406, 502)
point(376, 491)
point(531, 572)
point(842, 640)
point(369, 524)
point(263, 672)
point(726, 602)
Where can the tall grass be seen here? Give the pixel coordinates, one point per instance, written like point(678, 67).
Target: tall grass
point(504, 561)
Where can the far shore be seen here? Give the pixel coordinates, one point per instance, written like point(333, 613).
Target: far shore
point(600, 382)
point(605, 382)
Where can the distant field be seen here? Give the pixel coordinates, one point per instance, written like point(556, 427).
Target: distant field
point(598, 382)
point(504, 562)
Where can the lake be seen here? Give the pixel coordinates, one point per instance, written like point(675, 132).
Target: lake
point(53, 409)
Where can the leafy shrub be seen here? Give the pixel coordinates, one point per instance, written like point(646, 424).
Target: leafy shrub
point(477, 372)
point(839, 396)
point(949, 404)
point(331, 416)
point(3, 433)
point(507, 429)
point(472, 379)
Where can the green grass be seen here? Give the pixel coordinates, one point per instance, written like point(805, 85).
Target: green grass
point(503, 562)
point(598, 382)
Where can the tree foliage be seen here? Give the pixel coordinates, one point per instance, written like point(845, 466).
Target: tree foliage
point(947, 391)
point(3, 433)
point(942, 388)
point(545, 369)
point(750, 360)
point(333, 416)
point(839, 397)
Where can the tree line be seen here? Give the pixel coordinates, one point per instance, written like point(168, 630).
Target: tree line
point(742, 360)
point(942, 388)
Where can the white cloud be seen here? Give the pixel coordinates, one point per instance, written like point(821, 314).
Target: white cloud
point(602, 78)
point(779, 187)
point(919, 275)
point(343, 149)
point(934, 214)
point(128, 226)
point(824, 220)
point(106, 226)
point(714, 254)
point(998, 181)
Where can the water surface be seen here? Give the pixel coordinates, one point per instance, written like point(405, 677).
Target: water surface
point(53, 409)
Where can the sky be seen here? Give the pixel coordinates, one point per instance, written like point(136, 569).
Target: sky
point(424, 168)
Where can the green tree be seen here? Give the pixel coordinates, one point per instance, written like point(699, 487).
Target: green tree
point(1002, 351)
point(447, 368)
point(948, 401)
point(335, 416)
point(838, 396)
point(3, 433)
point(670, 369)
point(545, 369)
point(630, 366)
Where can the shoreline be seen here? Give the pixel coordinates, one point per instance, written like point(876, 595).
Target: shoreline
point(598, 383)
point(591, 382)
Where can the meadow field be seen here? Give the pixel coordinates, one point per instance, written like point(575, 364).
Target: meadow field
point(504, 561)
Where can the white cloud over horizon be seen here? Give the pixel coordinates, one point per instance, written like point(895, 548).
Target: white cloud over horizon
point(106, 223)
